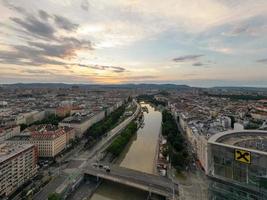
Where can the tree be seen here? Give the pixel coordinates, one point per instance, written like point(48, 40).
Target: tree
point(54, 196)
point(176, 142)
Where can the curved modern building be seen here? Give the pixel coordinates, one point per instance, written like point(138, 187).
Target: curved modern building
point(237, 165)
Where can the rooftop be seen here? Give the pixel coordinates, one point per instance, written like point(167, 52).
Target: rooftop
point(249, 139)
point(9, 150)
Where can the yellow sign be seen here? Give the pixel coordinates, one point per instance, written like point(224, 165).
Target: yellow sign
point(243, 156)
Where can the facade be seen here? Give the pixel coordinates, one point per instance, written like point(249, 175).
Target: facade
point(50, 140)
point(8, 132)
point(30, 117)
point(18, 164)
point(199, 144)
point(82, 122)
point(237, 165)
point(70, 134)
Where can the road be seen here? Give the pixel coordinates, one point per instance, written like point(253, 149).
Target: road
point(67, 173)
point(101, 146)
point(144, 181)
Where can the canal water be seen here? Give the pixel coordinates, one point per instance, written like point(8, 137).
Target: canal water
point(139, 155)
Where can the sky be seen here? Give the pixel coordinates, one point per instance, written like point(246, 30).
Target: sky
point(195, 42)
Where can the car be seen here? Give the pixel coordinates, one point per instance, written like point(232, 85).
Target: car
point(100, 166)
point(107, 168)
point(94, 165)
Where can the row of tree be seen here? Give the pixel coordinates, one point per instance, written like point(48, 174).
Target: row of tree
point(122, 140)
point(176, 143)
point(96, 131)
point(51, 119)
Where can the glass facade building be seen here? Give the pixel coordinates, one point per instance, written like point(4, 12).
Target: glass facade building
point(237, 165)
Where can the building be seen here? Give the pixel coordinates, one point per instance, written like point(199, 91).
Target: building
point(198, 142)
point(49, 139)
point(8, 132)
point(70, 134)
point(81, 122)
point(237, 165)
point(18, 164)
point(30, 117)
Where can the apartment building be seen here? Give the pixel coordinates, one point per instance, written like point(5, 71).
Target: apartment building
point(81, 122)
point(18, 164)
point(50, 140)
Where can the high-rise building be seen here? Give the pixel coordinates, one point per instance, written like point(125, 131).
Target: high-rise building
point(237, 165)
point(18, 164)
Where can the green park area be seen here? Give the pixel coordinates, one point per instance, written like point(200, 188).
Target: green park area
point(122, 140)
point(96, 131)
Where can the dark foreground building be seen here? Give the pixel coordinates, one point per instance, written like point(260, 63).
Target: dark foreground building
point(237, 165)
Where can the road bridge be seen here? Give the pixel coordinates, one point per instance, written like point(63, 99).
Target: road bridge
point(148, 182)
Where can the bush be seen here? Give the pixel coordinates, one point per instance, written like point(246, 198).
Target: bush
point(54, 196)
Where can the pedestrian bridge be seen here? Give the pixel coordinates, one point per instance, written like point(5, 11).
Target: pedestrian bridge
point(153, 184)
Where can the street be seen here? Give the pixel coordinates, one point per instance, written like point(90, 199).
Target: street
point(66, 174)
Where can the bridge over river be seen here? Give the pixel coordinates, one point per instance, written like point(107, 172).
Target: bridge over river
point(148, 182)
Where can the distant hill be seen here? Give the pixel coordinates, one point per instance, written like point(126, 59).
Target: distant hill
point(240, 88)
point(96, 86)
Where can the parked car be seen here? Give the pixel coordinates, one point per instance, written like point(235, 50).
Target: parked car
point(94, 165)
point(107, 168)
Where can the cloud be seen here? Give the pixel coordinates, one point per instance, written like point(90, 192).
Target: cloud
point(64, 23)
point(187, 58)
point(42, 53)
point(103, 67)
point(237, 30)
point(85, 5)
point(36, 71)
point(197, 16)
point(64, 48)
point(248, 28)
point(118, 69)
point(44, 15)
point(40, 41)
point(198, 64)
point(35, 27)
point(24, 55)
point(262, 60)
point(11, 6)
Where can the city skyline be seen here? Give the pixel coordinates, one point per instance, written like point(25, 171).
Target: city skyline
point(198, 43)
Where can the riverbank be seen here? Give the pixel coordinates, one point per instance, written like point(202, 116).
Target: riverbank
point(139, 154)
point(122, 140)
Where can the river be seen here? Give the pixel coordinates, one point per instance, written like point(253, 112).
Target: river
point(139, 155)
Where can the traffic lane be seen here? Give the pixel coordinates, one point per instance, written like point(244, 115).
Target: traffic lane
point(153, 180)
point(155, 186)
point(115, 131)
point(50, 188)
